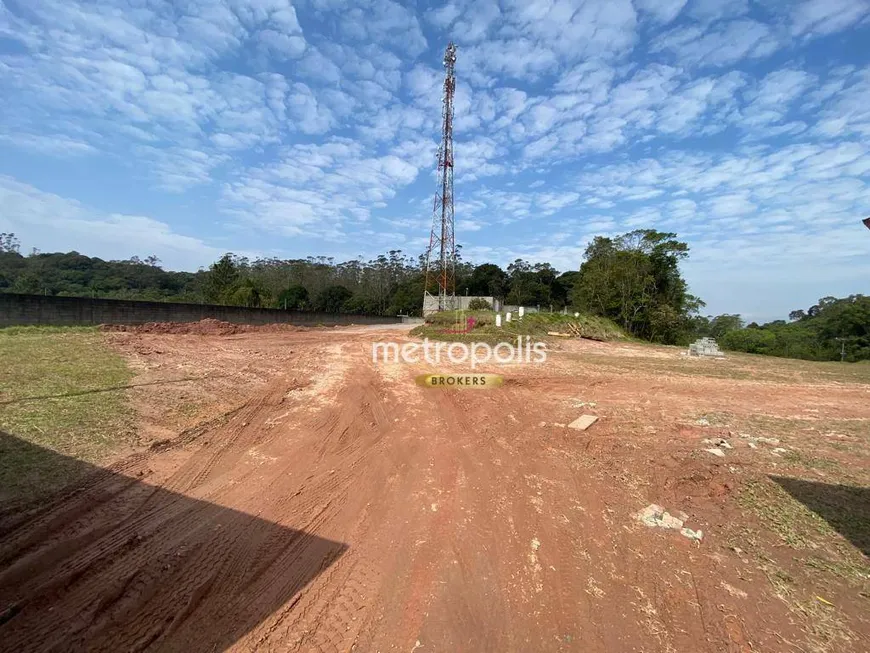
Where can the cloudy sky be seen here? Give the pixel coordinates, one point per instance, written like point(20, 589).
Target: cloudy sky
point(187, 128)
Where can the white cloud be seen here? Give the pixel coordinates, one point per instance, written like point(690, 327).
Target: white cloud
point(56, 144)
point(307, 116)
point(720, 45)
point(424, 82)
point(385, 22)
point(575, 29)
point(330, 185)
point(444, 16)
point(707, 11)
point(663, 11)
point(60, 224)
point(821, 17)
point(771, 101)
point(848, 111)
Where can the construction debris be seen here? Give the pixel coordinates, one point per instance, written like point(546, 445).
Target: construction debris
point(652, 515)
point(573, 330)
point(716, 452)
point(583, 422)
point(655, 516)
point(692, 535)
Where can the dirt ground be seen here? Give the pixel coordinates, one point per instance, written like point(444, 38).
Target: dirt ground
point(289, 494)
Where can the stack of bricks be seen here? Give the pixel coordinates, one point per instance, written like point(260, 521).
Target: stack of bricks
point(705, 347)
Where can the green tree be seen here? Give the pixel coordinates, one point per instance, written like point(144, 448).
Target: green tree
point(9, 243)
point(753, 341)
point(530, 284)
point(27, 283)
point(722, 324)
point(822, 332)
point(635, 280)
point(293, 298)
point(223, 275)
point(332, 299)
point(408, 298)
point(563, 287)
point(488, 280)
point(248, 292)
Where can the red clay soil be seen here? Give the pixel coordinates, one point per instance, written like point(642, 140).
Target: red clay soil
point(330, 504)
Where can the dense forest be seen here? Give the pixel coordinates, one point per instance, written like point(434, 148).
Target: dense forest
point(633, 279)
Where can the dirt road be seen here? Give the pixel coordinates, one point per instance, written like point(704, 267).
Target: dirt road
point(318, 501)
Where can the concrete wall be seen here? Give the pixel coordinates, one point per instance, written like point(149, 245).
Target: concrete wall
point(458, 303)
point(18, 310)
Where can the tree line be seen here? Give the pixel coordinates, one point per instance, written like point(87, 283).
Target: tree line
point(633, 279)
point(832, 329)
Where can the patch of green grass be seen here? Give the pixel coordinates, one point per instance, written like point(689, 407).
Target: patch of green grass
point(58, 393)
point(37, 330)
point(439, 326)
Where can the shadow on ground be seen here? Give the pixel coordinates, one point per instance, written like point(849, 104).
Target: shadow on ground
point(112, 563)
point(846, 508)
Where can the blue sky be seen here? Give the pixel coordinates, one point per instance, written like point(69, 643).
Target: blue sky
point(290, 128)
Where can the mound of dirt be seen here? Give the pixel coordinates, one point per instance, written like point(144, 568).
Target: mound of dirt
point(205, 327)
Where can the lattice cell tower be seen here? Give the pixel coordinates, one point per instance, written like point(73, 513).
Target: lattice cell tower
point(442, 243)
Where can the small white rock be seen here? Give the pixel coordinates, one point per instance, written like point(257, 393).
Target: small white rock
point(692, 535)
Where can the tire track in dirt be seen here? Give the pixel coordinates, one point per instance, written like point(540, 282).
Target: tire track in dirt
point(154, 563)
point(345, 442)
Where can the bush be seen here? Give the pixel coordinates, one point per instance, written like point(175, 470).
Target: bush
point(479, 304)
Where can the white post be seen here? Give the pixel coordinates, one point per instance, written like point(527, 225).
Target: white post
point(498, 319)
point(576, 314)
point(522, 311)
point(507, 317)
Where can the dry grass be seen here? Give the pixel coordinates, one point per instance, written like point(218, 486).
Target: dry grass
point(825, 527)
point(741, 367)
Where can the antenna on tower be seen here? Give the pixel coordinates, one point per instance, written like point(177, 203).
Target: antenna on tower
point(441, 240)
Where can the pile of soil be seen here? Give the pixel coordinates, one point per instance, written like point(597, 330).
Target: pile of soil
point(206, 327)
